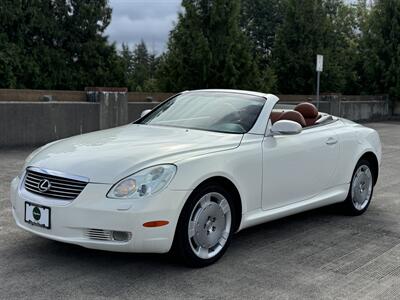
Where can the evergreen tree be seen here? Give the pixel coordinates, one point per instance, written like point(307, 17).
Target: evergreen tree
point(260, 19)
point(248, 44)
point(151, 84)
point(381, 50)
point(188, 58)
point(141, 65)
point(298, 41)
point(208, 49)
point(340, 47)
point(56, 45)
point(139, 68)
point(127, 62)
point(312, 27)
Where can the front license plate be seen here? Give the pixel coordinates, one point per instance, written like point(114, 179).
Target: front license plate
point(37, 215)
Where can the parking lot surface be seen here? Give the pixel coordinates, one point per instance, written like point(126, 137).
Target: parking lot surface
point(320, 254)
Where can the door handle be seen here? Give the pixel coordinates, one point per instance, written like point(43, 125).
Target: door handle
point(331, 141)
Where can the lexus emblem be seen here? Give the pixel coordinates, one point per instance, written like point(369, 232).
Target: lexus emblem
point(44, 185)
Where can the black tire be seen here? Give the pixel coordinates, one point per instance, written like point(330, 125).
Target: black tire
point(182, 247)
point(349, 206)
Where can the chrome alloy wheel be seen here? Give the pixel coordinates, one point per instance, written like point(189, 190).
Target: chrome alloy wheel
point(209, 225)
point(361, 188)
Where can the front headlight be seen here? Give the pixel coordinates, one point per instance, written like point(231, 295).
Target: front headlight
point(143, 183)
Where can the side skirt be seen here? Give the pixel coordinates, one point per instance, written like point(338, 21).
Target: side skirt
point(259, 216)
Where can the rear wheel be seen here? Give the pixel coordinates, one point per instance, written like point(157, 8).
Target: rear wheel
point(205, 226)
point(361, 189)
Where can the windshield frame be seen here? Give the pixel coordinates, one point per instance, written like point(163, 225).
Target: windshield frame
point(165, 102)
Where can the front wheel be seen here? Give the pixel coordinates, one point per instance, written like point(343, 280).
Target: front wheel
point(205, 226)
point(361, 189)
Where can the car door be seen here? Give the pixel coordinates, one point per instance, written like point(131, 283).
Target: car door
point(298, 167)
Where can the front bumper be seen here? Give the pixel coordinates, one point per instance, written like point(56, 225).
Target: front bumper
point(71, 221)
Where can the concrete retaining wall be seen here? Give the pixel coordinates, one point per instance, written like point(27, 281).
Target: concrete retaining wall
point(364, 111)
point(135, 109)
point(26, 95)
point(355, 108)
point(36, 123)
point(31, 124)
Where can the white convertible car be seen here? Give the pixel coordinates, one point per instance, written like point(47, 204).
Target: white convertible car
point(196, 169)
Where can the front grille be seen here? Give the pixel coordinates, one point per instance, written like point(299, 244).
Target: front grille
point(53, 186)
point(99, 234)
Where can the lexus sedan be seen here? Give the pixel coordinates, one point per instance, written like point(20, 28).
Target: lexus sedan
point(190, 173)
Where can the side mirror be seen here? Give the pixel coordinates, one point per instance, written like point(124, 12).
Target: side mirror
point(145, 112)
point(285, 127)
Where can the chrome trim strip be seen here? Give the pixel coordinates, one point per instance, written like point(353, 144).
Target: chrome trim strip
point(65, 187)
point(99, 234)
point(57, 196)
point(58, 174)
point(36, 198)
point(55, 186)
point(60, 183)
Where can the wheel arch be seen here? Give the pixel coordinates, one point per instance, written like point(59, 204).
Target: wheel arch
point(228, 184)
point(373, 159)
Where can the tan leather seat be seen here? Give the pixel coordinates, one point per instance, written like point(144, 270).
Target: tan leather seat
point(308, 111)
point(293, 116)
point(275, 115)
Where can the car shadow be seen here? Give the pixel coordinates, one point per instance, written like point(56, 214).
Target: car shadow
point(255, 235)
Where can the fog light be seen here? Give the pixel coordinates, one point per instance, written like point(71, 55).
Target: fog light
point(121, 236)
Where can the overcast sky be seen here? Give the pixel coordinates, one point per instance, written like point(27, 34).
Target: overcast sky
point(150, 20)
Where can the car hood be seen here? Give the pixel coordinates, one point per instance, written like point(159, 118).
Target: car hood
point(106, 156)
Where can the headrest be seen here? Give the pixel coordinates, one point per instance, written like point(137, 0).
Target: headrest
point(293, 116)
point(307, 109)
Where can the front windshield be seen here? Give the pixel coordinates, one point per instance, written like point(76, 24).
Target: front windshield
point(213, 111)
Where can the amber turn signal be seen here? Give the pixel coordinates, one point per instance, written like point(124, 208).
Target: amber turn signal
point(155, 223)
